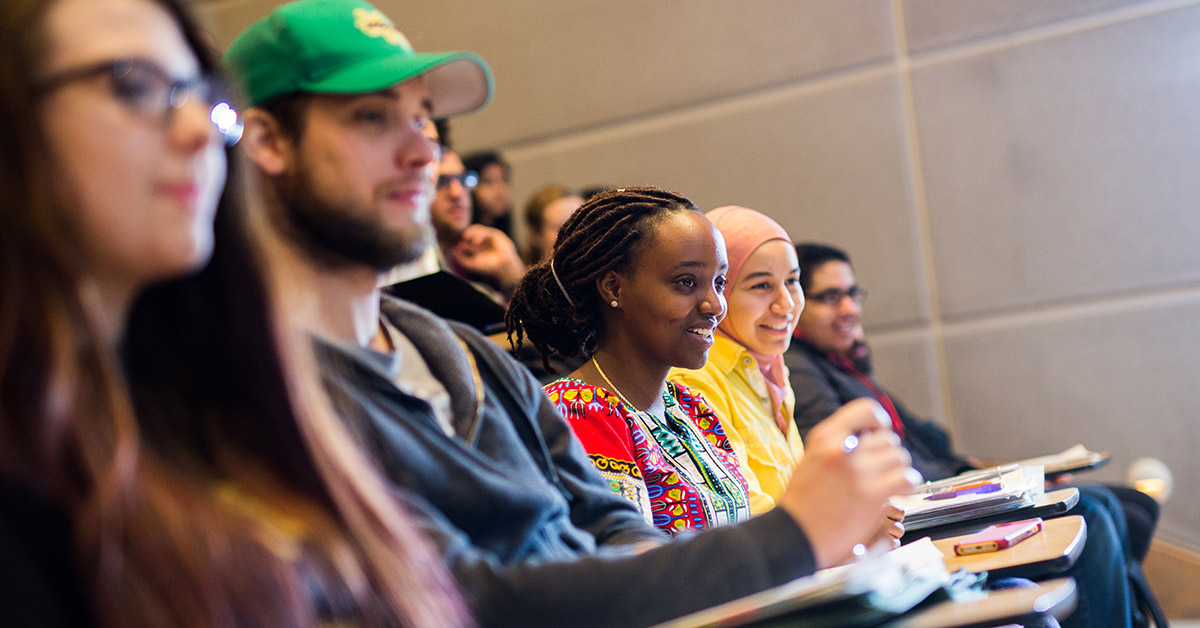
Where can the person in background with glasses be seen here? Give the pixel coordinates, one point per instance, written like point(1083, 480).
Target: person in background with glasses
point(164, 457)
point(831, 329)
point(829, 367)
point(478, 253)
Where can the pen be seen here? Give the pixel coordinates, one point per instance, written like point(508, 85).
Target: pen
point(974, 489)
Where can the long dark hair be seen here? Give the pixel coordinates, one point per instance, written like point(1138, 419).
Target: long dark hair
point(556, 305)
point(206, 479)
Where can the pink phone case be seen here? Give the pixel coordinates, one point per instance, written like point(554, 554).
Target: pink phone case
point(998, 537)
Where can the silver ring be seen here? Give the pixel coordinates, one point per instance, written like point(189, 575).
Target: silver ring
point(850, 443)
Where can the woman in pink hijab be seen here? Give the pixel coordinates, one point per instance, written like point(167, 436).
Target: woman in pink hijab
point(745, 380)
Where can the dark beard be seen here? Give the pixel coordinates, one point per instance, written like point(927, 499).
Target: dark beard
point(335, 238)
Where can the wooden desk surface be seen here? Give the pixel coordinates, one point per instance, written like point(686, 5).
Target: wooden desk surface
point(1052, 597)
point(1047, 553)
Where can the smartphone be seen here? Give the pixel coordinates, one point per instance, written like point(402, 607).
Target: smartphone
point(998, 537)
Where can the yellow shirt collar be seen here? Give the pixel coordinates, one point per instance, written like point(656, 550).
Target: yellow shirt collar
point(727, 355)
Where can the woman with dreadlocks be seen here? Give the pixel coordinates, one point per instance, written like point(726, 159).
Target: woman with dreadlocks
point(634, 284)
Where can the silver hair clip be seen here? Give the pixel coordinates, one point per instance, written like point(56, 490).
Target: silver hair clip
point(560, 283)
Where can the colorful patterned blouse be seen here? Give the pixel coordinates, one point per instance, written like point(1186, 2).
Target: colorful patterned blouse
point(679, 469)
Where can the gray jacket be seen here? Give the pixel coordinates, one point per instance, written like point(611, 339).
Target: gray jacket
point(533, 534)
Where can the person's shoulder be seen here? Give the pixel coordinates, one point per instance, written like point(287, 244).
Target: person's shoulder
point(406, 314)
point(802, 357)
point(566, 385)
point(434, 332)
point(703, 378)
point(725, 355)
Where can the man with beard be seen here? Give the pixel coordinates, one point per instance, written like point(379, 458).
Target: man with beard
point(531, 531)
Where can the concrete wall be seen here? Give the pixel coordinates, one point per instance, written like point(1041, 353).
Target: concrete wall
point(1014, 178)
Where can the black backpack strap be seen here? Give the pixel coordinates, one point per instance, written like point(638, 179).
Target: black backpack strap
point(1143, 597)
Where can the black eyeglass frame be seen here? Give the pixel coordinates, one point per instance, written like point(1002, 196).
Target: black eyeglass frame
point(167, 97)
point(468, 180)
point(834, 296)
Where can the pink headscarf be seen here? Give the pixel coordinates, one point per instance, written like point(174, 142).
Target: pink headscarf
point(744, 231)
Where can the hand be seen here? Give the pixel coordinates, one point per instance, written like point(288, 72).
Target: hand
point(835, 495)
point(487, 252)
point(1060, 481)
point(893, 524)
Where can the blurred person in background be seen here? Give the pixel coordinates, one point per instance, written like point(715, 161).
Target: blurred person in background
point(483, 255)
point(492, 195)
point(545, 214)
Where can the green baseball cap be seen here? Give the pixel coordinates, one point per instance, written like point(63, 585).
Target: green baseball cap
point(348, 47)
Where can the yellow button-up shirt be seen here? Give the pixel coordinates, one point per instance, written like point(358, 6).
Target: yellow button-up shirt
point(737, 392)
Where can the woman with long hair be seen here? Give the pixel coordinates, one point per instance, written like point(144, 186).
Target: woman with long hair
point(166, 458)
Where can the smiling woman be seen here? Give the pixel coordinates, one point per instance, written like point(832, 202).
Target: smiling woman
point(744, 377)
point(635, 285)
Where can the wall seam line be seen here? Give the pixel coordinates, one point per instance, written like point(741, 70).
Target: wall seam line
point(920, 204)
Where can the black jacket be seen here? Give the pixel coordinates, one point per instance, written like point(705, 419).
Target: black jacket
point(821, 387)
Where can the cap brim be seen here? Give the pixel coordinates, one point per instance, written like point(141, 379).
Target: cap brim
point(458, 82)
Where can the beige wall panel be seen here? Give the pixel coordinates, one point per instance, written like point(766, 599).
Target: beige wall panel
point(906, 367)
point(1121, 378)
point(936, 23)
point(226, 18)
point(1064, 168)
point(570, 65)
point(789, 155)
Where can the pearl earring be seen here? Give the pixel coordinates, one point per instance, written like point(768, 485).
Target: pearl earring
point(613, 303)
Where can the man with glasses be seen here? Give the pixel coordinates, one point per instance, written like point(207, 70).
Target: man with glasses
point(477, 253)
point(829, 365)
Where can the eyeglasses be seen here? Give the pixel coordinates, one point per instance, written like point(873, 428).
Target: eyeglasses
point(147, 90)
point(834, 296)
point(468, 180)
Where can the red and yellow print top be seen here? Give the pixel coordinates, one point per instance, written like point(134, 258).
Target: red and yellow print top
point(678, 469)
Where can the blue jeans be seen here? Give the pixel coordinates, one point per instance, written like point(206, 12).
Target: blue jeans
point(1100, 572)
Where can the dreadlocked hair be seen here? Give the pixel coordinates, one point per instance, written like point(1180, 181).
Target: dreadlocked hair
point(563, 314)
